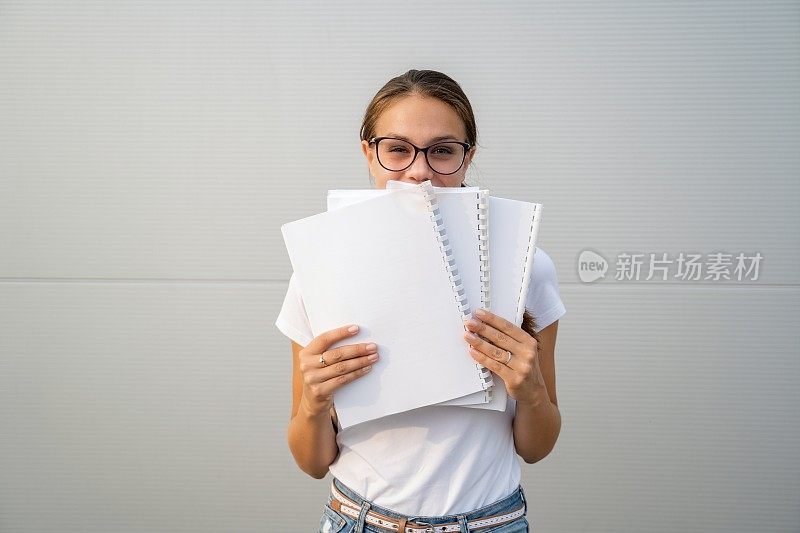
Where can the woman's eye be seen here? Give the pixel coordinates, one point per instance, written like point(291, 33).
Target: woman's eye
point(399, 149)
point(443, 150)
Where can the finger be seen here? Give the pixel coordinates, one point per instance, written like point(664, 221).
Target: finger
point(327, 387)
point(343, 367)
point(492, 351)
point(324, 340)
point(311, 362)
point(501, 324)
point(494, 365)
point(494, 335)
point(348, 351)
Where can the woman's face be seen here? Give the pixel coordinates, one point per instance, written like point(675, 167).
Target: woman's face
point(422, 121)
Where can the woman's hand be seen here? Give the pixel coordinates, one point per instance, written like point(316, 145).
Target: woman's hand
point(325, 369)
point(491, 341)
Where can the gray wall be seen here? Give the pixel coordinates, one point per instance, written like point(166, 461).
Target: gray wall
point(149, 152)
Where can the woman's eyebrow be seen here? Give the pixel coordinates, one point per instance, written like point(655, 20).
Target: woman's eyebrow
point(434, 140)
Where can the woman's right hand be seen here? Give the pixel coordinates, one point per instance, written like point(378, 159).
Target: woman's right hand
point(342, 365)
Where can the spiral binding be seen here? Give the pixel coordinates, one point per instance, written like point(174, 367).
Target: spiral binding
point(483, 247)
point(529, 254)
point(483, 250)
point(459, 292)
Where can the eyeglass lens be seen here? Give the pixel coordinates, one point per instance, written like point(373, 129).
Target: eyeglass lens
point(443, 158)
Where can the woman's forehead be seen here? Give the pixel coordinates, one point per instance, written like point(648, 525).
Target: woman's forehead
point(420, 119)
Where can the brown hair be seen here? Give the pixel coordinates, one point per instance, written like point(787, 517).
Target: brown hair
point(528, 324)
point(432, 84)
point(428, 83)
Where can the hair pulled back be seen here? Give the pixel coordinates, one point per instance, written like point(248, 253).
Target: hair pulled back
point(429, 83)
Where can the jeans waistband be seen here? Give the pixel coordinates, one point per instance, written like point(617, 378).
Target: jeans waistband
point(513, 501)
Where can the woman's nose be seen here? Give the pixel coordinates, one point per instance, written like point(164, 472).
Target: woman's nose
point(419, 169)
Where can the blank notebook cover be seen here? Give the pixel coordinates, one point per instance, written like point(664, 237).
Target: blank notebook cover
point(513, 232)
point(385, 264)
point(464, 217)
point(511, 228)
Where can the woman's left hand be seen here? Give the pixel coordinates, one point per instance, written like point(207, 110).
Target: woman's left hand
point(491, 341)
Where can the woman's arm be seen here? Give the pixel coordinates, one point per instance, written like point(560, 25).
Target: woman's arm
point(529, 376)
point(311, 433)
point(311, 436)
point(537, 425)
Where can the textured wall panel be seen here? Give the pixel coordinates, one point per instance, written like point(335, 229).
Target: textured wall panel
point(149, 152)
point(163, 140)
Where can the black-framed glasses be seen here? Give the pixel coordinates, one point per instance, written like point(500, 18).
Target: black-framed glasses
point(396, 155)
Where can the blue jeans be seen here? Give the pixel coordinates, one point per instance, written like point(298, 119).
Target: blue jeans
point(333, 522)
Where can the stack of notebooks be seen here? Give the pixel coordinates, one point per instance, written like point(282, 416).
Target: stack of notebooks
point(409, 264)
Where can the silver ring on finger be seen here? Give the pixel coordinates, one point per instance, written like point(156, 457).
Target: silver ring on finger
point(322, 360)
point(508, 360)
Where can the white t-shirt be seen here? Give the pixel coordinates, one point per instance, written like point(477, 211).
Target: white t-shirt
point(434, 460)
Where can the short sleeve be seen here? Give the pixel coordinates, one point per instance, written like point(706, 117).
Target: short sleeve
point(544, 300)
point(292, 320)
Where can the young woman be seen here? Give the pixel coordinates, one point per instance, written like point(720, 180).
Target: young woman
point(436, 468)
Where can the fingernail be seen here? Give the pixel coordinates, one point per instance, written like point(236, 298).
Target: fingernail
point(372, 357)
point(473, 322)
point(352, 329)
point(367, 369)
point(480, 312)
point(371, 346)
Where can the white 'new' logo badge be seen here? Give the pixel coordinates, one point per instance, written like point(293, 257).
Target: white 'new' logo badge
point(591, 266)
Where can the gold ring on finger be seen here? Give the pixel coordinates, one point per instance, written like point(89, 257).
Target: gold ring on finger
point(322, 360)
point(509, 357)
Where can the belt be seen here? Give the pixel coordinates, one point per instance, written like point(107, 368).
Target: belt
point(343, 504)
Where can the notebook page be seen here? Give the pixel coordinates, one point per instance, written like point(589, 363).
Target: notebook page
point(459, 208)
point(341, 197)
point(378, 264)
point(513, 230)
point(460, 211)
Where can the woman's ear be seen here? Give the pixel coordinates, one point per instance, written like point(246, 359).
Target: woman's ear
point(470, 155)
point(367, 152)
point(468, 162)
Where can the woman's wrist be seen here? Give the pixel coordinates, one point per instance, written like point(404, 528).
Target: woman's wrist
point(536, 429)
point(312, 440)
point(310, 412)
point(538, 401)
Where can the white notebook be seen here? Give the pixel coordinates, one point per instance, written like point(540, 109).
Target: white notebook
point(386, 265)
point(464, 216)
point(513, 230)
